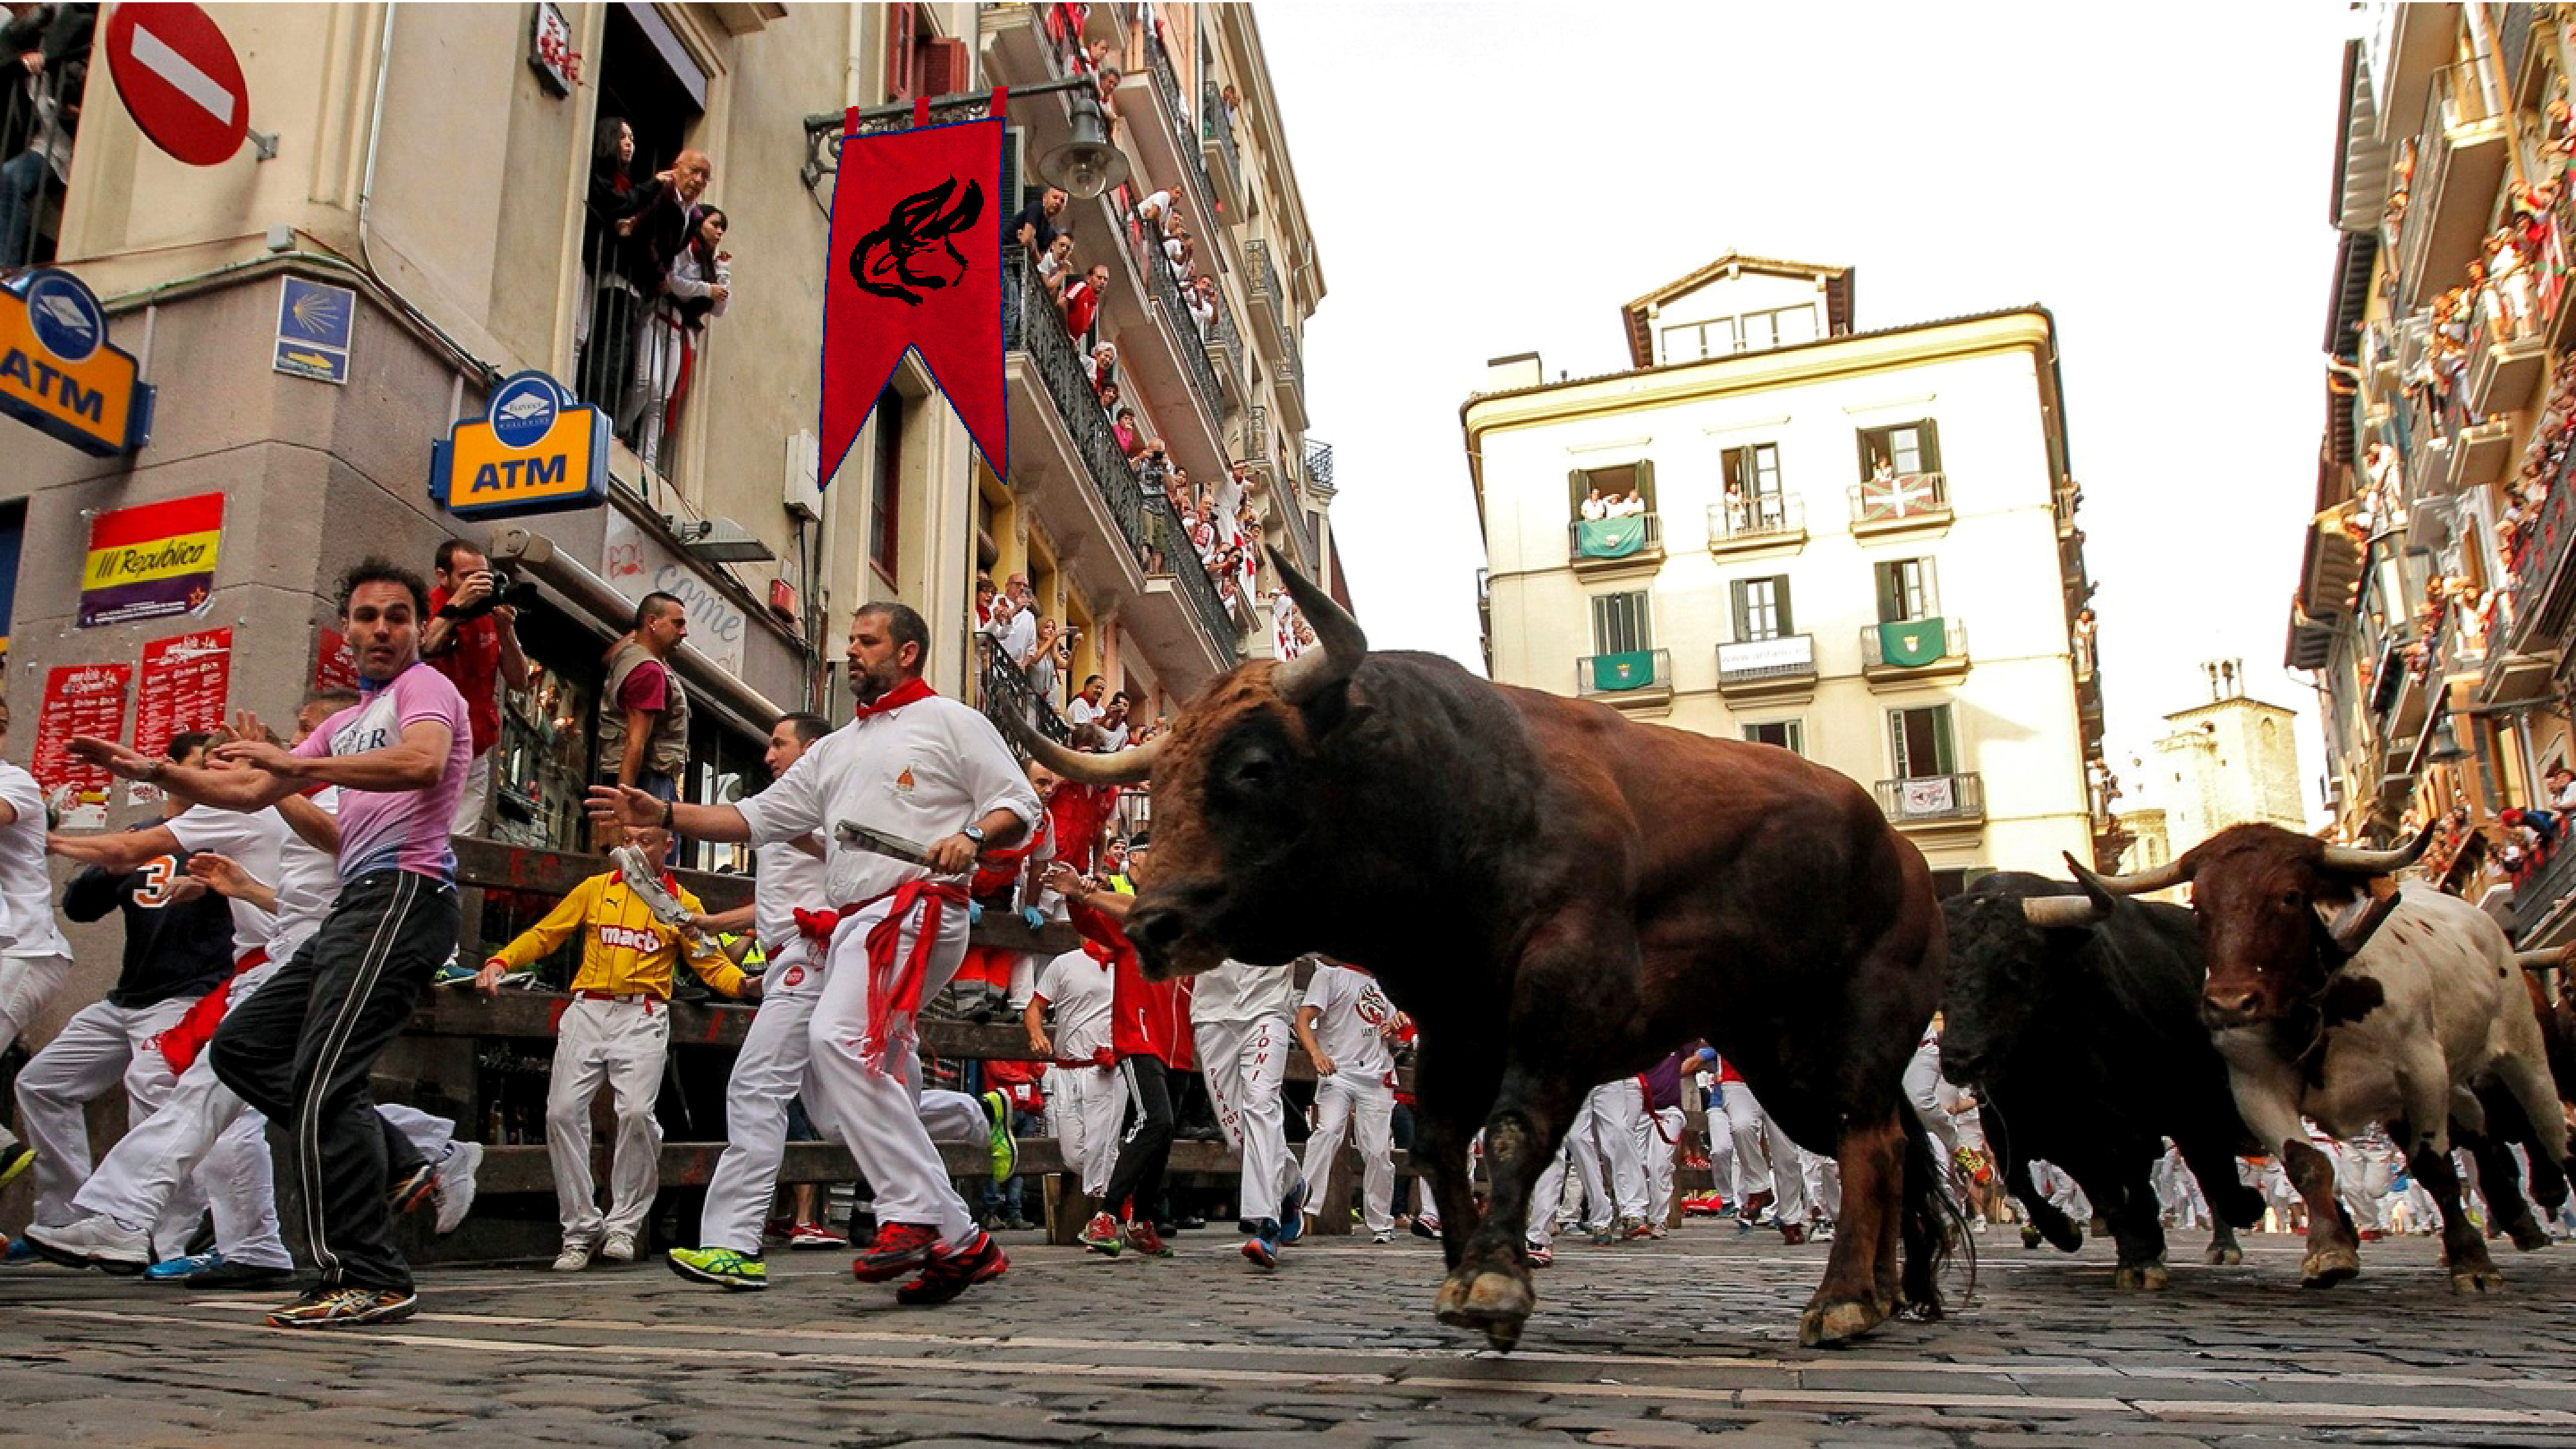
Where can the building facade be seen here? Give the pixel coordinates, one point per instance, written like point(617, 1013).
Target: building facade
point(2231, 760)
point(2435, 599)
point(443, 165)
point(1856, 545)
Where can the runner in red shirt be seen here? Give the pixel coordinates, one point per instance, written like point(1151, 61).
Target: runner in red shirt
point(1148, 1031)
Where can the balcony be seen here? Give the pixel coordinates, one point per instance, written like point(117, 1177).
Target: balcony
point(2539, 561)
point(1170, 374)
point(2460, 161)
point(1274, 326)
point(1065, 460)
point(2505, 359)
point(1639, 681)
point(2480, 453)
point(1606, 548)
point(1913, 651)
point(1934, 802)
point(1319, 467)
point(1779, 669)
point(1218, 160)
point(1907, 501)
point(1749, 525)
point(2539, 900)
point(1005, 694)
point(1227, 354)
point(1288, 519)
point(1163, 129)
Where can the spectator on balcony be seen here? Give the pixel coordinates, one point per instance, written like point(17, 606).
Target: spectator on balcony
point(1113, 723)
point(1110, 398)
point(1233, 106)
point(608, 303)
point(1180, 251)
point(1085, 707)
point(1081, 302)
point(663, 226)
point(1033, 228)
point(51, 44)
point(1594, 506)
point(1101, 366)
point(2509, 290)
point(1122, 426)
point(701, 285)
point(984, 596)
point(1155, 213)
point(2562, 788)
point(1017, 630)
point(1048, 661)
point(1055, 264)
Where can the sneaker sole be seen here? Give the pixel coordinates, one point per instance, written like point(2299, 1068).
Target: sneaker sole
point(720, 1280)
point(116, 1267)
point(1259, 1256)
point(391, 1313)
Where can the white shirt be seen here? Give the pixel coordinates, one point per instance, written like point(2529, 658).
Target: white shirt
point(27, 924)
point(1079, 989)
point(923, 772)
point(1237, 993)
point(255, 841)
point(785, 880)
point(1020, 637)
point(1081, 711)
point(308, 883)
point(1349, 1010)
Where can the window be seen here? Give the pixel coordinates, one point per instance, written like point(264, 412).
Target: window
point(1919, 742)
point(1907, 447)
point(1753, 470)
point(1615, 485)
point(1619, 624)
point(1906, 590)
point(1778, 327)
point(885, 491)
point(1762, 608)
point(1788, 734)
point(1691, 341)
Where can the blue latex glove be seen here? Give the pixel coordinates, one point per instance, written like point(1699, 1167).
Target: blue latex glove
point(1035, 918)
point(974, 914)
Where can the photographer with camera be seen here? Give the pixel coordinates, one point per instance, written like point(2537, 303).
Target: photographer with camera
point(472, 637)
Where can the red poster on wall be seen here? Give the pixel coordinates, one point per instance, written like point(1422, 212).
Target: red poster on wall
point(80, 699)
point(183, 686)
point(333, 666)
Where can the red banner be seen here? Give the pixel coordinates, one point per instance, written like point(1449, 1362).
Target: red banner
point(916, 264)
point(80, 699)
point(334, 667)
point(184, 684)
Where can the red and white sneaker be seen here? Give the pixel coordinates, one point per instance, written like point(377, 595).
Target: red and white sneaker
point(900, 1248)
point(807, 1237)
point(1142, 1236)
point(1100, 1235)
point(1539, 1254)
point(949, 1274)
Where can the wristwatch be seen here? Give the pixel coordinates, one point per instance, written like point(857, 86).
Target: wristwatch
point(975, 834)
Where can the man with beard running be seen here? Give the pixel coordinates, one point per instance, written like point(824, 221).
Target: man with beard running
point(924, 770)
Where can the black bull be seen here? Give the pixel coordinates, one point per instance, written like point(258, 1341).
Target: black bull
point(1558, 896)
point(2076, 1020)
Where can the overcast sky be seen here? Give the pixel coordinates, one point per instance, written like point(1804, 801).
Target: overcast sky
point(1490, 179)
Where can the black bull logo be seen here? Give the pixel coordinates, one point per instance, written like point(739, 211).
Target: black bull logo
point(904, 258)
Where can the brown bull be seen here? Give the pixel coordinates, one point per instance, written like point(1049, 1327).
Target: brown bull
point(1557, 895)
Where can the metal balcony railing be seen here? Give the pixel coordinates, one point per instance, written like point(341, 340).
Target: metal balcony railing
point(1764, 516)
point(1319, 465)
point(1186, 336)
point(1005, 693)
point(1608, 540)
point(1217, 124)
point(1766, 661)
point(1598, 676)
point(1176, 111)
point(1904, 498)
point(1933, 797)
point(1292, 516)
point(1913, 644)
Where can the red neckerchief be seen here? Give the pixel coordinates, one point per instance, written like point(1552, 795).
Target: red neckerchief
point(894, 699)
point(1100, 953)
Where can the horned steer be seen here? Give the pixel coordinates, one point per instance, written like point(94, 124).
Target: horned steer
point(2075, 1016)
point(1557, 895)
point(2337, 993)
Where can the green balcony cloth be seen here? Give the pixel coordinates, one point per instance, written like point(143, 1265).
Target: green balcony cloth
point(1610, 537)
point(1633, 670)
point(1913, 643)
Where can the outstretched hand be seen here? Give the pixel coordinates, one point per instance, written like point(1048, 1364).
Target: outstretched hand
point(108, 755)
point(624, 805)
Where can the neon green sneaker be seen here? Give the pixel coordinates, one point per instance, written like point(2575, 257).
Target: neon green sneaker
point(741, 1272)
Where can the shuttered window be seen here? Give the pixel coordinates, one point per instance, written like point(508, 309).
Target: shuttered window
point(1619, 623)
point(1614, 483)
point(1754, 470)
point(1920, 742)
point(1907, 589)
point(1762, 608)
point(1908, 447)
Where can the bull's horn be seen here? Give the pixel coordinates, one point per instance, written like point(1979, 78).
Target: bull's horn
point(2380, 862)
point(2164, 877)
point(2549, 960)
point(2059, 912)
point(1126, 767)
point(1340, 644)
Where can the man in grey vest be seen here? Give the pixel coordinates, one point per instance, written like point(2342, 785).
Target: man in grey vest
point(643, 712)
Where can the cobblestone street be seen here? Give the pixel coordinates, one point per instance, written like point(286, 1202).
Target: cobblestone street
point(1684, 1342)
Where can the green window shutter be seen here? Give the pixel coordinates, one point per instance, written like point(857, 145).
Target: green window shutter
point(1931, 445)
point(1743, 609)
point(1645, 480)
point(1891, 593)
point(1868, 453)
point(1012, 201)
point(1601, 622)
point(1577, 484)
point(1945, 753)
point(1786, 624)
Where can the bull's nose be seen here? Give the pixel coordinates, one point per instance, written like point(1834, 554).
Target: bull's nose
point(1155, 930)
point(2233, 1008)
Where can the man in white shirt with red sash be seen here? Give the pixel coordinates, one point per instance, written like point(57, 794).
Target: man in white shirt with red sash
point(926, 769)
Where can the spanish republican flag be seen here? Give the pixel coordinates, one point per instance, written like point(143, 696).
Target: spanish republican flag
point(151, 560)
point(916, 264)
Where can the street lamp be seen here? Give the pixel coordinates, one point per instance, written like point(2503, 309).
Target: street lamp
point(1087, 165)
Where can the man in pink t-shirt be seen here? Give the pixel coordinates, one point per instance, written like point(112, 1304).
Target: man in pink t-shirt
point(301, 1048)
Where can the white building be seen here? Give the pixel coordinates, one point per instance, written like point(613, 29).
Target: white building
point(1856, 545)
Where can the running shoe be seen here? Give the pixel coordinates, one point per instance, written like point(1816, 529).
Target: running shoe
point(345, 1307)
point(1706, 1205)
point(410, 1191)
point(96, 1241)
point(20, 1253)
point(900, 1248)
point(1793, 1233)
point(451, 1188)
point(454, 973)
point(1426, 1227)
point(1146, 1239)
point(1261, 1249)
point(1540, 1254)
point(15, 1158)
point(180, 1270)
point(812, 1237)
point(948, 1274)
point(618, 1248)
point(1383, 1238)
point(1292, 1213)
point(241, 1277)
point(573, 1258)
point(1631, 1228)
point(1100, 1235)
point(997, 1131)
point(725, 1268)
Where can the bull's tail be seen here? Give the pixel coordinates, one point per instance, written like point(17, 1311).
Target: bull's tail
point(1932, 1225)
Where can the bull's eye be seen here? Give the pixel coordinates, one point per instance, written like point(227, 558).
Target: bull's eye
point(1255, 772)
point(2293, 899)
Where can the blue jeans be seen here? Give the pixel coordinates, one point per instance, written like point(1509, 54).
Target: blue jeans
point(22, 181)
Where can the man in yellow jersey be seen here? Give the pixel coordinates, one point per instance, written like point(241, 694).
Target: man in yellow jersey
point(616, 1030)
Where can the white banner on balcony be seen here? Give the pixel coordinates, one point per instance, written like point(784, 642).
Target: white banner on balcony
point(1795, 651)
point(1936, 796)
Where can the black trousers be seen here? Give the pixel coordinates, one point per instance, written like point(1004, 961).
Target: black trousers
point(1143, 1154)
point(301, 1048)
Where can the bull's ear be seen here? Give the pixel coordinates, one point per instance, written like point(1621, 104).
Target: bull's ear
point(2349, 925)
point(1335, 713)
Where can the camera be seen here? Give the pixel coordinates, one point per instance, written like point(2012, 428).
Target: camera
point(505, 587)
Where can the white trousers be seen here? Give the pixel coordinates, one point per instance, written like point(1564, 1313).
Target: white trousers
point(1659, 1136)
point(1084, 1105)
point(1618, 1115)
point(954, 1119)
point(876, 1110)
point(1586, 1191)
point(620, 1044)
point(766, 1077)
point(1348, 1105)
point(1765, 1159)
point(1244, 1064)
point(101, 1045)
point(26, 984)
point(1544, 1195)
point(476, 799)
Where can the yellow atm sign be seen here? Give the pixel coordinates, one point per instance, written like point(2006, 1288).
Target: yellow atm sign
point(535, 450)
point(58, 374)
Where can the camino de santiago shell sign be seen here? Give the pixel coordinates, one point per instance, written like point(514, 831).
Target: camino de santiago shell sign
point(58, 374)
point(151, 561)
point(536, 450)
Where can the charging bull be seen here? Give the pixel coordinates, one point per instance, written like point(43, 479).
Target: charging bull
point(1557, 894)
point(2337, 993)
point(2075, 1015)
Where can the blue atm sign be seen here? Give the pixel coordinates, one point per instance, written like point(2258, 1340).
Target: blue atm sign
point(535, 450)
point(59, 375)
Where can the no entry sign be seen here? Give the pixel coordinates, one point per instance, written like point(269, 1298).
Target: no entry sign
point(178, 78)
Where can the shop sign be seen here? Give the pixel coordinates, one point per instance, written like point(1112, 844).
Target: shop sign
point(151, 561)
point(635, 568)
point(550, 52)
point(80, 699)
point(334, 665)
point(536, 450)
point(313, 326)
point(58, 374)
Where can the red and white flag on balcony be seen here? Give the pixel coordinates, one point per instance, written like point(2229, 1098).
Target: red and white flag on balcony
point(916, 263)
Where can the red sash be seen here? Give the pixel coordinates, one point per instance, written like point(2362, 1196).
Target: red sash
point(186, 1037)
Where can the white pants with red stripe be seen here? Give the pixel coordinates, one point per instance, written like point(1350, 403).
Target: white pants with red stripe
point(767, 1076)
point(1084, 1106)
point(877, 1112)
point(1348, 1104)
point(1244, 1063)
point(621, 1045)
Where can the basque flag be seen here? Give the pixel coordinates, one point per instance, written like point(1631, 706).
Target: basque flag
point(916, 264)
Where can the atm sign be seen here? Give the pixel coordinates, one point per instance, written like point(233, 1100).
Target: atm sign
point(536, 451)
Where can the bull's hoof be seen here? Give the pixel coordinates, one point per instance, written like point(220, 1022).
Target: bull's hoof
point(2029, 1236)
point(1840, 1321)
point(2325, 1267)
point(2223, 1257)
point(2141, 1278)
point(2528, 1236)
point(1493, 1301)
point(2481, 1278)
